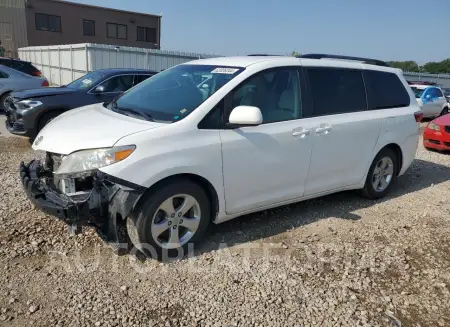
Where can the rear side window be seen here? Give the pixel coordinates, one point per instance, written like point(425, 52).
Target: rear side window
point(336, 91)
point(385, 90)
point(435, 92)
point(141, 78)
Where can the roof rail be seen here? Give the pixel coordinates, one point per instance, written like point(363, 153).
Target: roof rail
point(329, 56)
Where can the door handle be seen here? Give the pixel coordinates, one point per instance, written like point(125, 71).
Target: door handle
point(302, 132)
point(323, 129)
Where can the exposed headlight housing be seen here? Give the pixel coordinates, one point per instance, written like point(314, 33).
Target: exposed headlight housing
point(87, 160)
point(434, 126)
point(27, 104)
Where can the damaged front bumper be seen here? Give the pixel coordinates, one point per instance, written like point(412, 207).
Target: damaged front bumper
point(105, 205)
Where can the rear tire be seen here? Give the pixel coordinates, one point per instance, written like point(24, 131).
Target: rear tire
point(382, 174)
point(444, 111)
point(171, 218)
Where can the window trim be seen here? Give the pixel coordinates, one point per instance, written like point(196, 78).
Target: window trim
point(312, 113)
point(228, 101)
point(146, 33)
point(117, 31)
point(48, 16)
point(88, 20)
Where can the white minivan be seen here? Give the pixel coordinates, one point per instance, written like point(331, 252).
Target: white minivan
point(172, 154)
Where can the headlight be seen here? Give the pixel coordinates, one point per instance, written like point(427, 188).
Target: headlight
point(27, 104)
point(86, 160)
point(434, 126)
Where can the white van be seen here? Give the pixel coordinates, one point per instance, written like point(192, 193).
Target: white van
point(169, 159)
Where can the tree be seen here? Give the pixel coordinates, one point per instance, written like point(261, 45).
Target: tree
point(295, 54)
point(406, 66)
point(441, 67)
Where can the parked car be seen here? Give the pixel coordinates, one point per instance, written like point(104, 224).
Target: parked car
point(447, 94)
point(12, 80)
point(431, 99)
point(20, 65)
point(437, 134)
point(271, 131)
point(29, 111)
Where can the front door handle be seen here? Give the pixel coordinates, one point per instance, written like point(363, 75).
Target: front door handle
point(300, 132)
point(325, 129)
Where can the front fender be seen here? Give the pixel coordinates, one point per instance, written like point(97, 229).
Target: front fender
point(154, 159)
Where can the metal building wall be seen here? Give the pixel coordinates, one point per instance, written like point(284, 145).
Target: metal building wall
point(13, 27)
point(62, 64)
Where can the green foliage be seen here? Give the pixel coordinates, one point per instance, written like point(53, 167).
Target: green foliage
point(295, 54)
point(406, 66)
point(442, 67)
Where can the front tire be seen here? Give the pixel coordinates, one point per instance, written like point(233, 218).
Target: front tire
point(2, 101)
point(382, 174)
point(171, 218)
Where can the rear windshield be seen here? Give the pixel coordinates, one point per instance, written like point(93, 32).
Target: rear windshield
point(176, 92)
point(21, 66)
point(417, 92)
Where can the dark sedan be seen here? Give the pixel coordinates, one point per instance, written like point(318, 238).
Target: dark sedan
point(29, 111)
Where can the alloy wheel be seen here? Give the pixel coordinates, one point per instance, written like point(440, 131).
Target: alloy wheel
point(175, 221)
point(382, 174)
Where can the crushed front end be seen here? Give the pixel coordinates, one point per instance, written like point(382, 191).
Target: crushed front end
point(87, 198)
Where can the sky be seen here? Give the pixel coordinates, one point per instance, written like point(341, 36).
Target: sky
point(383, 29)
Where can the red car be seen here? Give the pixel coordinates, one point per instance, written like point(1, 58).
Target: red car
point(437, 134)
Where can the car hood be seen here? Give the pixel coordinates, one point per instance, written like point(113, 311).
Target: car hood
point(42, 92)
point(89, 127)
point(443, 120)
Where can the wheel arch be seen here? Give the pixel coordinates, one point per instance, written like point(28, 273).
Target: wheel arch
point(47, 112)
point(206, 185)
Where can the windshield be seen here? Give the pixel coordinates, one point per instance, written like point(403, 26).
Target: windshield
point(86, 81)
point(418, 92)
point(174, 93)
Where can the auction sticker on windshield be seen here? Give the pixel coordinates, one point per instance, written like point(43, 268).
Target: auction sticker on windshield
point(224, 70)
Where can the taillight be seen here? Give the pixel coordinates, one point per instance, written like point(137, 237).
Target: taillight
point(37, 73)
point(45, 83)
point(418, 116)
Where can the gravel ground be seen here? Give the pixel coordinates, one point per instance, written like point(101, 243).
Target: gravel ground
point(339, 260)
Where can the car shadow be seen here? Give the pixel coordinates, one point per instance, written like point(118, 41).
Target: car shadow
point(264, 224)
point(421, 175)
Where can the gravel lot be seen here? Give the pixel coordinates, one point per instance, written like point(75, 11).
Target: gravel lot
point(335, 261)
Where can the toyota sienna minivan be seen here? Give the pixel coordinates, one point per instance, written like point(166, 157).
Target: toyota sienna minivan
point(171, 155)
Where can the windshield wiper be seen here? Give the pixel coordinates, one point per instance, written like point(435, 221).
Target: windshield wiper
point(135, 112)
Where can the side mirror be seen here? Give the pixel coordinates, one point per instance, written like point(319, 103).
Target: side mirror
point(99, 89)
point(245, 116)
point(428, 97)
